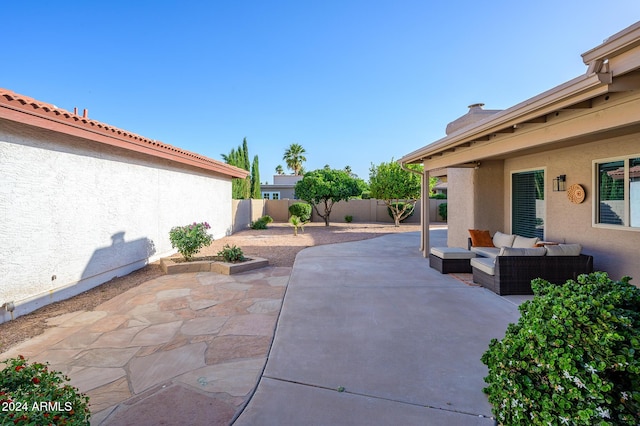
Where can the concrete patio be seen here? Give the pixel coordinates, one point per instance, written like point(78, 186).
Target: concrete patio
point(367, 334)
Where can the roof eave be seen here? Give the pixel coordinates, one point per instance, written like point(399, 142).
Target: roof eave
point(579, 89)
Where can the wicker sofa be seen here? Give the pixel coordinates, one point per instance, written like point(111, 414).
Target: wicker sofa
point(507, 270)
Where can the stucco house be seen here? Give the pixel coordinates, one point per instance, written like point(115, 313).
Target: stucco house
point(82, 202)
point(563, 165)
point(283, 187)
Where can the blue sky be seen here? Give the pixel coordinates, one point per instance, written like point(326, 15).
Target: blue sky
point(354, 82)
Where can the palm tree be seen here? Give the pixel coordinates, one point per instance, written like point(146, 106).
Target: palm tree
point(279, 170)
point(294, 158)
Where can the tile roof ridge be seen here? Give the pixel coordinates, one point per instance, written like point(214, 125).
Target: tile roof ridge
point(49, 111)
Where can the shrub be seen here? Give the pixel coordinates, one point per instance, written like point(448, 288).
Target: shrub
point(190, 239)
point(442, 211)
point(439, 196)
point(231, 254)
point(302, 210)
point(348, 218)
point(399, 206)
point(262, 222)
point(571, 358)
point(31, 394)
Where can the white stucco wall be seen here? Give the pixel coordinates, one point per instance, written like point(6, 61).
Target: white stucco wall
point(75, 214)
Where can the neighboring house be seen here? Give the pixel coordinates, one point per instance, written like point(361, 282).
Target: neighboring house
point(82, 202)
point(517, 170)
point(283, 187)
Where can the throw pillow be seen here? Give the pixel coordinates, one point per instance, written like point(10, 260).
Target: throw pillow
point(532, 251)
point(503, 240)
point(564, 250)
point(480, 238)
point(524, 242)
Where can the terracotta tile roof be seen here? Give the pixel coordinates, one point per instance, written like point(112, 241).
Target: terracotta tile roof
point(30, 111)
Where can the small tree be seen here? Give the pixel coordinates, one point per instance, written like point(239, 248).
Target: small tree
point(255, 179)
point(398, 188)
point(326, 186)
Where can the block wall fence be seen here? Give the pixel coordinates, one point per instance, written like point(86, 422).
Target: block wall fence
point(372, 210)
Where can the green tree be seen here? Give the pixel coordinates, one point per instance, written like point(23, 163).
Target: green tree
point(326, 187)
point(255, 179)
point(240, 188)
point(294, 157)
point(398, 188)
point(279, 170)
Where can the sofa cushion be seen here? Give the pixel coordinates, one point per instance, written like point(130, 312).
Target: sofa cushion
point(480, 238)
point(524, 242)
point(452, 253)
point(503, 240)
point(484, 264)
point(532, 251)
point(564, 250)
point(490, 252)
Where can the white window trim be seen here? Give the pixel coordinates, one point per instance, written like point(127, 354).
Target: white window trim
point(596, 194)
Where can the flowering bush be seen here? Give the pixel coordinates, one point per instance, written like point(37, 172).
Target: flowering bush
point(572, 358)
point(31, 394)
point(190, 239)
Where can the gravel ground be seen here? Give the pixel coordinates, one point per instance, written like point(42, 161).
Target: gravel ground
point(277, 244)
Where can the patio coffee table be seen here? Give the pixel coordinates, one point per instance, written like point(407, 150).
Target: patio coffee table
point(450, 259)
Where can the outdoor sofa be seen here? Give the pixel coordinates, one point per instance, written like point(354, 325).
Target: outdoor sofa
point(512, 261)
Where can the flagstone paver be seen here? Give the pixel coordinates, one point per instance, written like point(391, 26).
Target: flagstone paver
point(153, 354)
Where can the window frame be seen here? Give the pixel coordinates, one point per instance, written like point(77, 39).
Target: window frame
point(595, 208)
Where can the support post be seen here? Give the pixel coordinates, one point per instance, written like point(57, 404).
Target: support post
point(425, 216)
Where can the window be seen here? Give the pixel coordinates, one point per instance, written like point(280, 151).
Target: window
point(271, 195)
point(618, 198)
point(528, 204)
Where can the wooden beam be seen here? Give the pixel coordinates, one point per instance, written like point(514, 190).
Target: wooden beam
point(579, 105)
point(537, 120)
point(506, 130)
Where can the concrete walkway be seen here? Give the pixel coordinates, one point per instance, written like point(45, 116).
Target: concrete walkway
point(369, 334)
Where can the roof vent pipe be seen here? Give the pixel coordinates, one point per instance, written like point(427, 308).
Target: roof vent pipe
point(75, 110)
point(85, 113)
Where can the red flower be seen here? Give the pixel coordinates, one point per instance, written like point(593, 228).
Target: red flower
point(20, 367)
point(35, 380)
point(20, 356)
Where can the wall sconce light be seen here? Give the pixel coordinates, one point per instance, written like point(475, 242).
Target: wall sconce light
point(560, 183)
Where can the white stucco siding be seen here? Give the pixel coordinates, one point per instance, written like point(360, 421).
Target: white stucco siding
point(84, 212)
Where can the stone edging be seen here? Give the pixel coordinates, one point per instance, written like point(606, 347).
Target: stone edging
point(169, 266)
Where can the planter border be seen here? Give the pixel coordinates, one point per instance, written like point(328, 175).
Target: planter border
point(170, 266)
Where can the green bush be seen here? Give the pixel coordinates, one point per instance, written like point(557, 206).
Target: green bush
point(261, 223)
point(400, 205)
point(348, 218)
point(189, 239)
point(439, 196)
point(31, 394)
point(572, 358)
point(302, 210)
point(231, 254)
point(442, 211)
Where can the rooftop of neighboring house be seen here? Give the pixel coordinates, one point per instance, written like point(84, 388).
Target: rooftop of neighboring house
point(29, 111)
